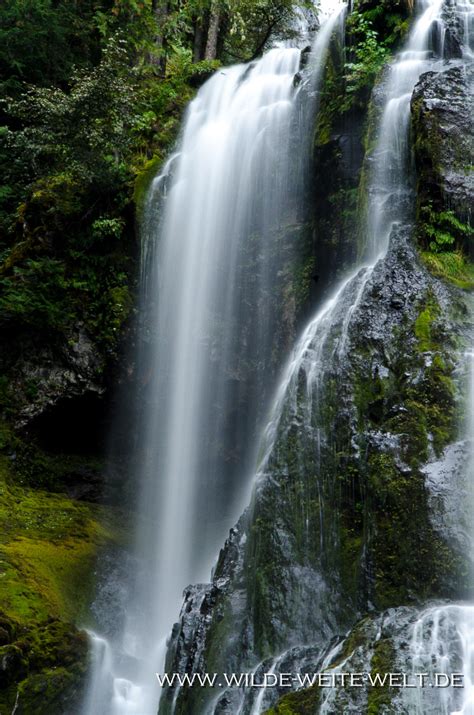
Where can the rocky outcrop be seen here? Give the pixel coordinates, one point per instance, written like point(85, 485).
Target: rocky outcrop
point(379, 666)
point(341, 521)
point(443, 111)
point(42, 374)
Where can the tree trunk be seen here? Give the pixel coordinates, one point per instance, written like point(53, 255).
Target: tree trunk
point(160, 10)
point(198, 47)
point(213, 33)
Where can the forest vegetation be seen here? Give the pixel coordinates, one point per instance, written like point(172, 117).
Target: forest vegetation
point(92, 94)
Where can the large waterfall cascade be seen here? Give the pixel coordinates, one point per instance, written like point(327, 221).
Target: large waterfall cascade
point(224, 197)
point(227, 181)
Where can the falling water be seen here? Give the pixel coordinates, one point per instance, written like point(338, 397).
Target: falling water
point(390, 200)
point(211, 315)
point(391, 189)
point(465, 13)
point(390, 197)
point(443, 636)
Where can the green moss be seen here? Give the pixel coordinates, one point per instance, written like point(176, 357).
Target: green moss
point(48, 548)
point(48, 544)
point(303, 702)
point(423, 325)
point(383, 658)
point(451, 266)
point(143, 179)
point(51, 691)
point(42, 578)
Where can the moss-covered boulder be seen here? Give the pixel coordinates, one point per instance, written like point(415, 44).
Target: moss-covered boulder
point(442, 121)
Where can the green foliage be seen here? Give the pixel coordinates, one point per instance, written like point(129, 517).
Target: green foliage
point(36, 294)
point(41, 40)
point(373, 29)
point(451, 266)
point(81, 134)
point(251, 22)
point(245, 25)
point(389, 18)
point(442, 231)
point(368, 53)
point(134, 19)
point(108, 83)
point(66, 253)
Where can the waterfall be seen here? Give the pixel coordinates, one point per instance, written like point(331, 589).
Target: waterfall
point(390, 199)
point(391, 190)
point(212, 249)
point(299, 400)
point(443, 636)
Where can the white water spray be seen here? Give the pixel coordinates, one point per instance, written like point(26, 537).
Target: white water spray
point(390, 191)
point(224, 198)
point(390, 201)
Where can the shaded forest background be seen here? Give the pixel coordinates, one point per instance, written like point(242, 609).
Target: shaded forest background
point(92, 96)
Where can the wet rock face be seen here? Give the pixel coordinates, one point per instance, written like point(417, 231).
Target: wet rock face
point(376, 647)
point(442, 117)
point(44, 374)
point(345, 502)
point(453, 34)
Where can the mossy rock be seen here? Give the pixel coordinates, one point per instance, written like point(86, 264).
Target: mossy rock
point(452, 267)
point(143, 181)
point(303, 702)
point(47, 551)
point(48, 548)
point(52, 692)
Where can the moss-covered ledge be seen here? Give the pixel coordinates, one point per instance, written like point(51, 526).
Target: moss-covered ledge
point(48, 548)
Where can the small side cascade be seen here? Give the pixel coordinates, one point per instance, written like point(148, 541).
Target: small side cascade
point(465, 14)
point(442, 645)
point(443, 636)
point(391, 177)
point(389, 202)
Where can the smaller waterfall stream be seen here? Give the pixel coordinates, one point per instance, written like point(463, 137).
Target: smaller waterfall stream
point(443, 636)
point(391, 188)
point(390, 201)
